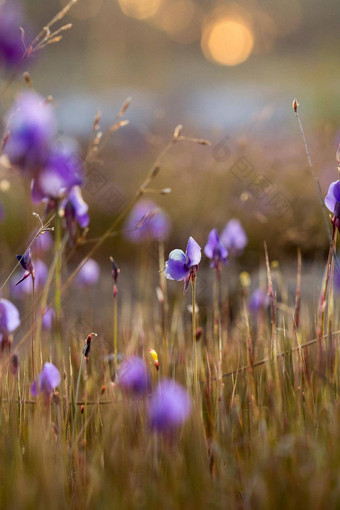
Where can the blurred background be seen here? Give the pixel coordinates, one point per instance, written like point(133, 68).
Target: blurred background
point(226, 71)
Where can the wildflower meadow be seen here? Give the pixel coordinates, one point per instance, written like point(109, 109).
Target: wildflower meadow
point(166, 341)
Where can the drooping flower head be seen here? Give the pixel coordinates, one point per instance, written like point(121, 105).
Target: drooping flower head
point(26, 284)
point(27, 264)
point(11, 45)
point(215, 250)
point(47, 380)
point(9, 321)
point(234, 237)
point(75, 210)
point(183, 266)
point(61, 171)
point(31, 125)
point(259, 300)
point(133, 376)
point(170, 406)
point(146, 221)
point(88, 275)
point(332, 201)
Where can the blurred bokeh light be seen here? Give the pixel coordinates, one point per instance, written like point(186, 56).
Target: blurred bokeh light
point(180, 20)
point(227, 41)
point(140, 9)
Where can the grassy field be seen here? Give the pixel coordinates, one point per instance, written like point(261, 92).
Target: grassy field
point(251, 417)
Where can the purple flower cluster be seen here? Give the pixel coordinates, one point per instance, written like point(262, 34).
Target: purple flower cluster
point(55, 169)
point(147, 221)
point(183, 266)
point(88, 275)
point(259, 300)
point(332, 202)
point(26, 285)
point(134, 377)
point(11, 45)
point(215, 250)
point(47, 381)
point(9, 320)
point(231, 242)
point(170, 404)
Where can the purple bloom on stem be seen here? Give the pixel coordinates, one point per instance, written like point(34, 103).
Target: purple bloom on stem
point(183, 266)
point(26, 260)
point(11, 44)
point(26, 285)
point(147, 221)
point(88, 275)
point(61, 171)
point(9, 319)
point(215, 250)
point(259, 300)
point(234, 237)
point(75, 210)
point(26, 263)
point(332, 201)
point(48, 318)
point(170, 406)
point(133, 376)
point(43, 243)
point(31, 128)
point(47, 380)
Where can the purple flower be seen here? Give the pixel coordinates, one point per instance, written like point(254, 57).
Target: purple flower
point(47, 380)
point(26, 263)
point(332, 201)
point(183, 266)
point(133, 376)
point(26, 285)
point(74, 209)
point(214, 249)
point(170, 406)
point(2, 214)
point(88, 274)
point(61, 171)
point(11, 45)
point(259, 300)
point(9, 319)
point(147, 221)
point(48, 318)
point(43, 243)
point(234, 237)
point(31, 128)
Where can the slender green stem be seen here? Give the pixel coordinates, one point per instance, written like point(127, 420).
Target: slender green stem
point(76, 396)
point(164, 304)
point(115, 333)
point(58, 234)
point(193, 286)
point(331, 256)
point(217, 310)
point(33, 324)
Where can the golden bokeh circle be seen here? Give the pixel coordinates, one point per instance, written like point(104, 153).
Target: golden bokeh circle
point(227, 41)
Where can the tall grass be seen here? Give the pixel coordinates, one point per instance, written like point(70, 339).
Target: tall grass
point(264, 431)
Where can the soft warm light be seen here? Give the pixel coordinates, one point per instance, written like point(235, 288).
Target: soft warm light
point(180, 19)
point(227, 41)
point(140, 9)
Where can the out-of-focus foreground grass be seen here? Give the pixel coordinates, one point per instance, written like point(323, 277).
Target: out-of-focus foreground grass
point(264, 437)
point(264, 431)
